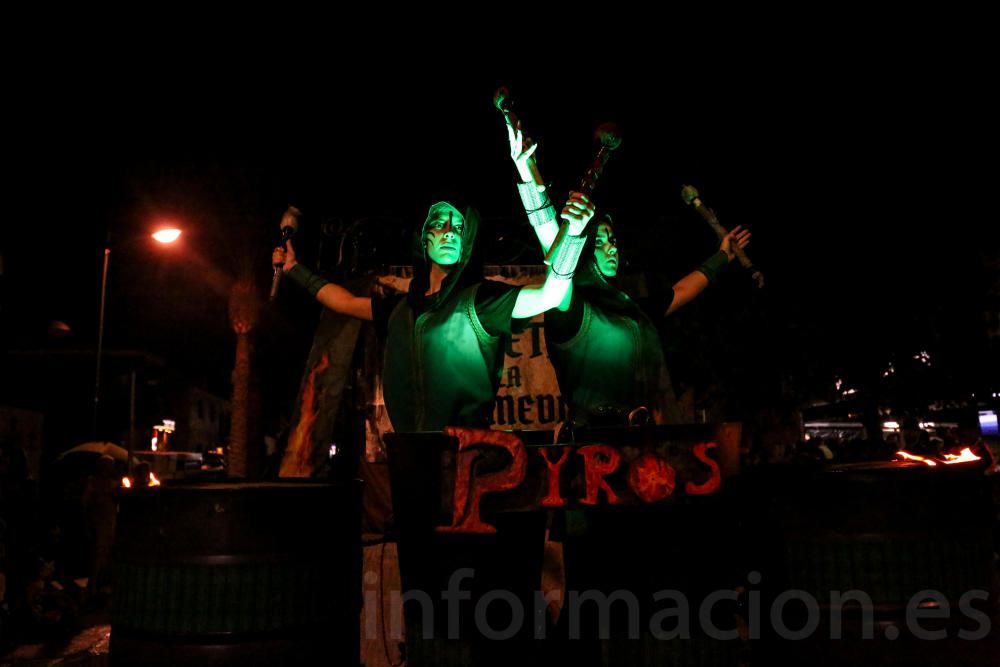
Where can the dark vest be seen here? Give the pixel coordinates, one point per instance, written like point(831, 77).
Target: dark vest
point(614, 362)
point(441, 368)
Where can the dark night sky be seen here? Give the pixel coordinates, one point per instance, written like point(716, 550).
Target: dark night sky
point(871, 214)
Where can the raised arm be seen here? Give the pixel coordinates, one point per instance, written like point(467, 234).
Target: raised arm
point(555, 291)
point(331, 295)
point(537, 204)
point(694, 283)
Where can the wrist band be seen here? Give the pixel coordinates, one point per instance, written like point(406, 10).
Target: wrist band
point(306, 279)
point(567, 254)
point(713, 266)
point(543, 217)
point(532, 199)
point(537, 204)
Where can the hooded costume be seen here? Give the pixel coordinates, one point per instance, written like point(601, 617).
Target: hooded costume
point(444, 351)
point(606, 351)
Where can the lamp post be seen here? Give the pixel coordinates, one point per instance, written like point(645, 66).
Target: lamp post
point(164, 235)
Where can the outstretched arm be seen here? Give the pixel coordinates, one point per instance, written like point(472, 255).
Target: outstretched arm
point(694, 283)
point(556, 289)
point(331, 295)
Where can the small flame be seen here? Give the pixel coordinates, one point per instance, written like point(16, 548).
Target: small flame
point(913, 457)
point(153, 481)
point(965, 456)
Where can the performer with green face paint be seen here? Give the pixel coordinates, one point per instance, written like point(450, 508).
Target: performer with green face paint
point(445, 338)
point(605, 350)
point(444, 345)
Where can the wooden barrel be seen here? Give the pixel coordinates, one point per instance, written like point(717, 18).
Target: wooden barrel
point(238, 573)
point(886, 529)
point(889, 530)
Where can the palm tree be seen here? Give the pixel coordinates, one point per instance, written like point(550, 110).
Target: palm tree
point(244, 314)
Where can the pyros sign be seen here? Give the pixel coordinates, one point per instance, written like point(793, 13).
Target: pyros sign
point(484, 472)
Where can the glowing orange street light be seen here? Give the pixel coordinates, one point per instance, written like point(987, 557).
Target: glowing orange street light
point(167, 235)
point(164, 235)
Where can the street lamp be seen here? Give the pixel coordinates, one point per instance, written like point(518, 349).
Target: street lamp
point(164, 235)
point(167, 234)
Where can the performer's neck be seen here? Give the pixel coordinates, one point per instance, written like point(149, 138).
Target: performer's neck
point(437, 276)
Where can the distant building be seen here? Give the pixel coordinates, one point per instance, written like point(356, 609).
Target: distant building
point(55, 387)
point(201, 420)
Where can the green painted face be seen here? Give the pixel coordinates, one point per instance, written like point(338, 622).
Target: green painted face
point(443, 236)
point(606, 250)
